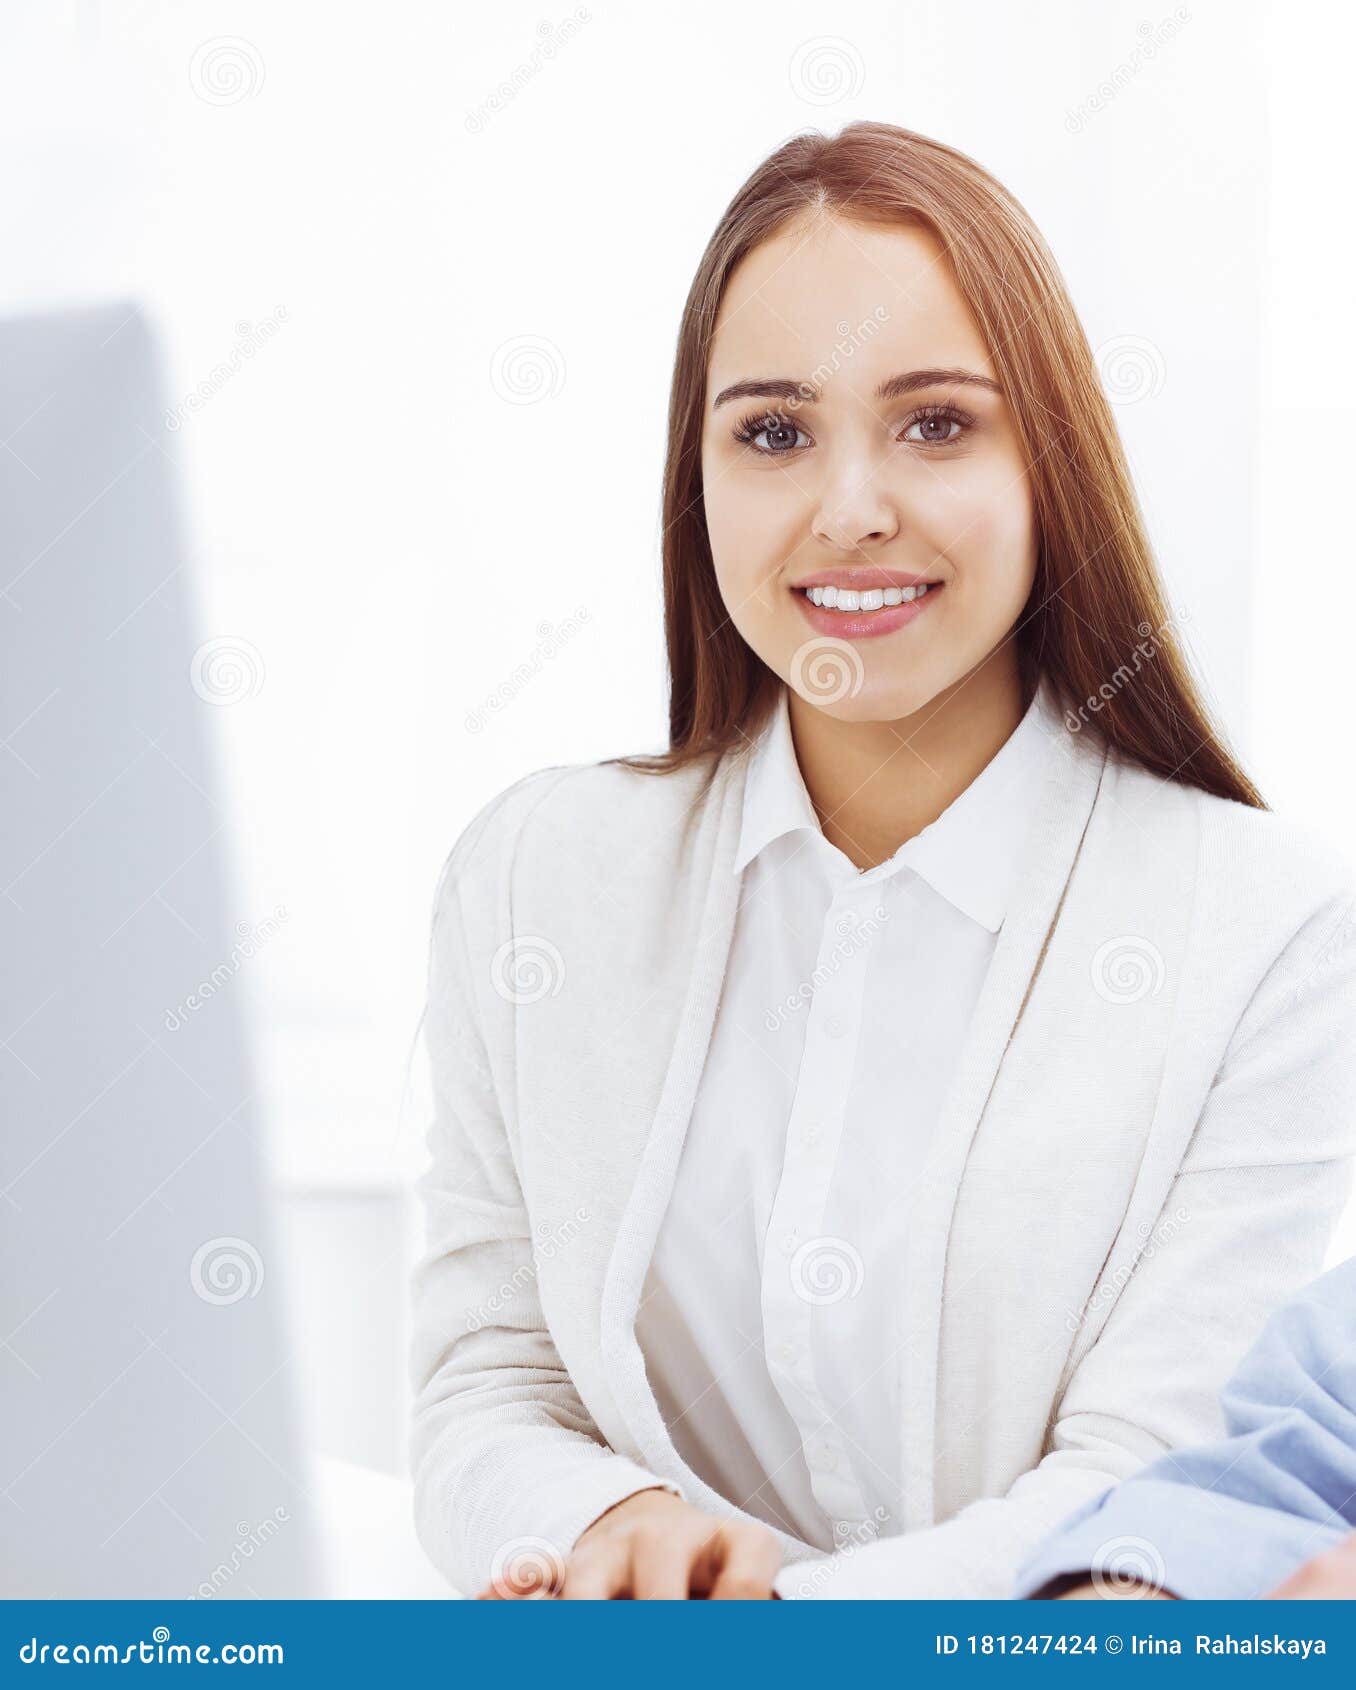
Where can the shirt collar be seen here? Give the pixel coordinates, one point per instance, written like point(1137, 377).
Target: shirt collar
point(957, 854)
point(775, 799)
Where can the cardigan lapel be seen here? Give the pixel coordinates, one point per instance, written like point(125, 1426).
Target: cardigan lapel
point(638, 1231)
point(1057, 831)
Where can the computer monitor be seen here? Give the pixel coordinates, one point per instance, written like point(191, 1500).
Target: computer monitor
point(149, 1446)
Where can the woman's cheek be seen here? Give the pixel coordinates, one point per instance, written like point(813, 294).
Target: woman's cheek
point(991, 549)
point(752, 540)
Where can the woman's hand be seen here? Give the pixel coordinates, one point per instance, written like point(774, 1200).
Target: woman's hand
point(653, 1546)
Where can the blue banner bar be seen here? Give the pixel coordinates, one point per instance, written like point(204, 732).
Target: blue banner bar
point(557, 1645)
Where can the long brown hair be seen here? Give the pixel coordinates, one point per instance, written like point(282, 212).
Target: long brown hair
point(1097, 622)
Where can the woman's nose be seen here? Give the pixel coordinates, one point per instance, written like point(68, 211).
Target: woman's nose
point(855, 512)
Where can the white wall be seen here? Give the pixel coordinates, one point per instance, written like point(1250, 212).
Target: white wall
point(1305, 591)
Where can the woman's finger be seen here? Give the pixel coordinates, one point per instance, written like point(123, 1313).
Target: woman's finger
point(662, 1560)
point(598, 1572)
point(518, 1587)
point(747, 1560)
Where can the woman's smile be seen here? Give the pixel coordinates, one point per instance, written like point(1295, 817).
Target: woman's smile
point(880, 602)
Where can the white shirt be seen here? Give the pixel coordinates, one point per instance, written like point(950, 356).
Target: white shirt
point(777, 1277)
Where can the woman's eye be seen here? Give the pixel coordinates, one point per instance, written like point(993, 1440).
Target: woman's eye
point(772, 435)
point(933, 431)
point(776, 435)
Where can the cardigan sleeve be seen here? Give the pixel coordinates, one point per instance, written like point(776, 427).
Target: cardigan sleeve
point(1247, 1222)
point(508, 1466)
point(1235, 1517)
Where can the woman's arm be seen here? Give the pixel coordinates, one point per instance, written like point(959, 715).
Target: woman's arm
point(509, 1468)
point(1245, 1224)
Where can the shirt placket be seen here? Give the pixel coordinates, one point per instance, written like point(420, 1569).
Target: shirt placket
point(802, 1266)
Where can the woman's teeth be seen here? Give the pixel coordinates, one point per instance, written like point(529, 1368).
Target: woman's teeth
point(873, 598)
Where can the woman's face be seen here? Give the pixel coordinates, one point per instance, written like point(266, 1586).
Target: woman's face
point(855, 439)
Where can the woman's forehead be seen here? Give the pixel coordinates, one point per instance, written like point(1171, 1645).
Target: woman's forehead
point(846, 300)
point(842, 305)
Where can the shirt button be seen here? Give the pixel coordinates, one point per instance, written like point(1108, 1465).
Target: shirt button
point(789, 1242)
point(824, 1458)
point(785, 1352)
point(834, 1027)
point(810, 1133)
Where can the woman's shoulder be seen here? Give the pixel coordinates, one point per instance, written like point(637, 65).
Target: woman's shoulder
point(559, 816)
point(1272, 844)
point(1255, 866)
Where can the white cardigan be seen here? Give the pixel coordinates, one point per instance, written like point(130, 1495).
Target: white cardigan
point(1146, 1149)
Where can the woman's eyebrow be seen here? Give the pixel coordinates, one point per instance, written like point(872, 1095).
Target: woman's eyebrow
point(893, 387)
point(896, 386)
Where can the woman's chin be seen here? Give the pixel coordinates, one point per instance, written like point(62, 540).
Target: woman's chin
point(873, 703)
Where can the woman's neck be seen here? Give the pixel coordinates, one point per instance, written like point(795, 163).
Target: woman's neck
point(876, 784)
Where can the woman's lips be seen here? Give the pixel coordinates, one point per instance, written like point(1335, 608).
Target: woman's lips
point(864, 624)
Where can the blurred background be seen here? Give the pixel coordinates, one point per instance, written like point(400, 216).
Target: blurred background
point(335, 354)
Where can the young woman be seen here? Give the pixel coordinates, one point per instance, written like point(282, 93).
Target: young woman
point(878, 1125)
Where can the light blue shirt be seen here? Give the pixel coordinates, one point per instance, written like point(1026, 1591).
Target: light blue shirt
point(1234, 1518)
